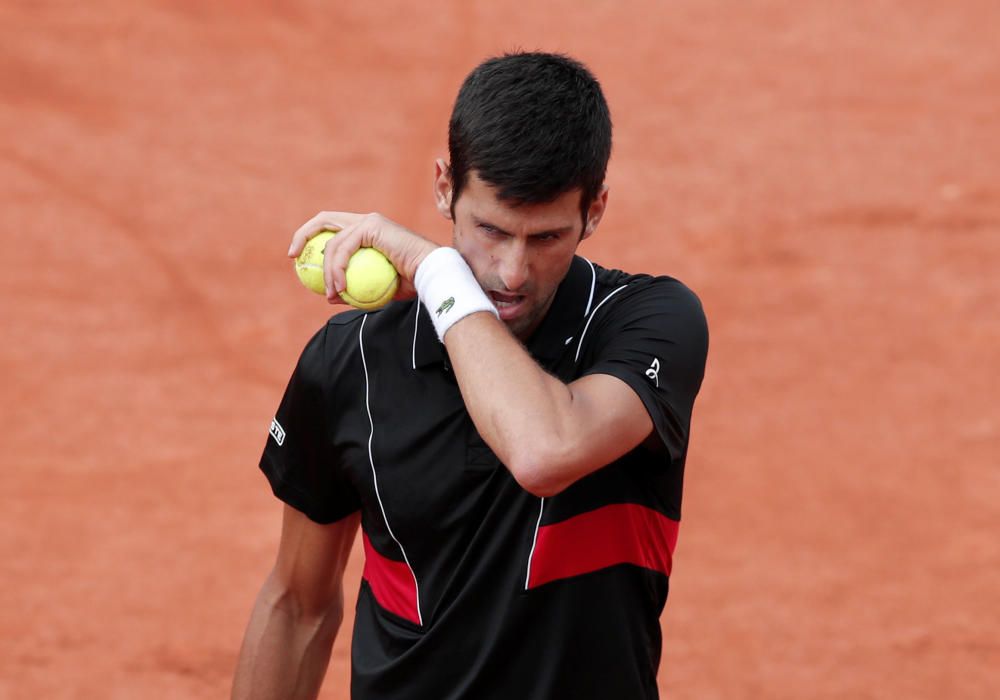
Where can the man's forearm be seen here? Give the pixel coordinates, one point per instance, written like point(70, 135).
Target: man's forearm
point(284, 654)
point(547, 433)
point(518, 409)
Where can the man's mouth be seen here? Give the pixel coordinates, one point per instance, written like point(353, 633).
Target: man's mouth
point(509, 305)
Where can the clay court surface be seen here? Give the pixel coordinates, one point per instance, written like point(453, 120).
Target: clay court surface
point(825, 175)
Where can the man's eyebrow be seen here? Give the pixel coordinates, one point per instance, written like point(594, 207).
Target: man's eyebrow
point(555, 231)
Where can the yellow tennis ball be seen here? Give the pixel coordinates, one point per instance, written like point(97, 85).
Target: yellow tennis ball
point(309, 264)
point(371, 279)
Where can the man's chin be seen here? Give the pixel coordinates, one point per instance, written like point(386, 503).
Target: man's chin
point(521, 327)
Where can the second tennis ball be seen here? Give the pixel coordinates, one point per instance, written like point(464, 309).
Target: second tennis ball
point(371, 279)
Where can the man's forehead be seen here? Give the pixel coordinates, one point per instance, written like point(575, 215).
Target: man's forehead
point(482, 201)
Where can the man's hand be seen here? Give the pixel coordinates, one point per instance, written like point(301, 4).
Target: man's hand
point(404, 249)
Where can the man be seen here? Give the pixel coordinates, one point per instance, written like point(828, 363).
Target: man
point(512, 441)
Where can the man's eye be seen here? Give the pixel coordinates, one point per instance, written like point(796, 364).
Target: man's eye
point(546, 238)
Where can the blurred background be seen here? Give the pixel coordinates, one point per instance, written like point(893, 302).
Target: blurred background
point(825, 175)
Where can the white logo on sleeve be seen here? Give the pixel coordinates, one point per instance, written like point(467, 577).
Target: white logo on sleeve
point(277, 432)
point(653, 373)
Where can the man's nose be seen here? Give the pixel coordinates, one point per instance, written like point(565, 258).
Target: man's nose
point(514, 267)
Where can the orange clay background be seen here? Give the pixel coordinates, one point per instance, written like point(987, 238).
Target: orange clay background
point(825, 175)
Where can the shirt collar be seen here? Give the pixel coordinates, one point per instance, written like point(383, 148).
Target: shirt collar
point(569, 309)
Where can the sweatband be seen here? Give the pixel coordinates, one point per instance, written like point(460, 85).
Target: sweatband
point(449, 290)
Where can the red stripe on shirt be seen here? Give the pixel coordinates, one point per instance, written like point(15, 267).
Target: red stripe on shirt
point(391, 582)
point(617, 534)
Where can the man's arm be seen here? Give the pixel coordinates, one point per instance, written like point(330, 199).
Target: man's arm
point(548, 434)
point(295, 619)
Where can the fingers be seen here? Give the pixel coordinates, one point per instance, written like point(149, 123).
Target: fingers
point(339, 250)
point(402, 247)
point(324, 221)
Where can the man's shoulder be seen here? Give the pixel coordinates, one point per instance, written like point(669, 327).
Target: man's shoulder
point(383, 320)
point(638, 287)
point(347, 333)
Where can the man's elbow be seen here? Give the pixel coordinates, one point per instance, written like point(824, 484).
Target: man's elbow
point(543, 472)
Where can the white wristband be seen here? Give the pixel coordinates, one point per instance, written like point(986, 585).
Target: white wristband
point(449, 290)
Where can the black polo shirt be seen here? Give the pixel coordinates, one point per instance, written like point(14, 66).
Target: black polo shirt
point(472, 587)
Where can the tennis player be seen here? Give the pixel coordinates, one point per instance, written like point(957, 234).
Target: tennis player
point(511, 435)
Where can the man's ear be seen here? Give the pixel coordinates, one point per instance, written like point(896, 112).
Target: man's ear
point(595, 212)
point(442, 188)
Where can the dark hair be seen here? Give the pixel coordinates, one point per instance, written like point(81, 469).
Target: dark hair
point(533, 126)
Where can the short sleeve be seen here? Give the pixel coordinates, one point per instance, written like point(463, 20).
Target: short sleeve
point(300, 460)
point(654, 337)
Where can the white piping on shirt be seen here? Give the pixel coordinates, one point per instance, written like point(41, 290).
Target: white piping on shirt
point(593, 283)
point(534, 541)
point(580, 344)
point(416, 323)
point(371, 461)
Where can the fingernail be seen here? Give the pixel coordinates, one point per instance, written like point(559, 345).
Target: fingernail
point(290, 249)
